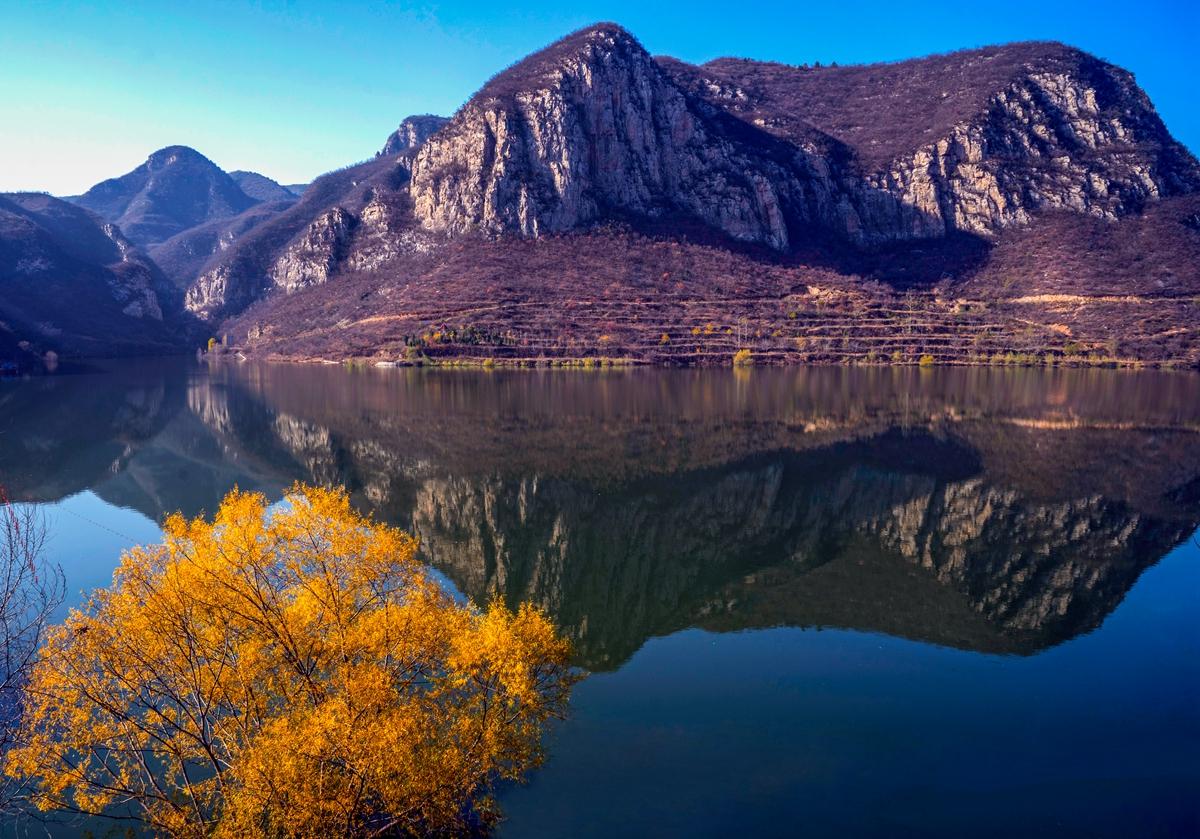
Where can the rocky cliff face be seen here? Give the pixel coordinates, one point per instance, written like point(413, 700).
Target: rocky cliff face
point(591, 127)
point(594, 126)
point(1046, 143)
point(342, 239)
point(353, 219)
point(412, 133)
point(184, 256)
point(1017, 130)
point(309, 259)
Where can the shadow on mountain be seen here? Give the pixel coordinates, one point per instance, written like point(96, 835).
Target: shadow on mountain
point(1002, 511)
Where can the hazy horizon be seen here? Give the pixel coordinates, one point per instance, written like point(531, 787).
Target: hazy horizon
point(295, 90)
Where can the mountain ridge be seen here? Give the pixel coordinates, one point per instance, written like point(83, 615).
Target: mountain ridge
point(412, 132)
point(260, 187)
point(594, 200)
point(592, 141)
point(118, 301)
point(174, 189)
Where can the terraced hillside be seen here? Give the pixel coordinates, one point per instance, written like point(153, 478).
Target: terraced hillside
point(621, 295)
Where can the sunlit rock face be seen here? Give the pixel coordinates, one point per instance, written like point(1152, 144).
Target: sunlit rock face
point(590, 126)
point(593, 125)
point(310, 259)
point(1000, 134)
point(412, 132)
point(1050, 141)
point(350, 220)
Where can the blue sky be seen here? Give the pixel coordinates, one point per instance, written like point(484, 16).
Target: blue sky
point(295, 89)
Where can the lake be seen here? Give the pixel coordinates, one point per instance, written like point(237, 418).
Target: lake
point(830, 601)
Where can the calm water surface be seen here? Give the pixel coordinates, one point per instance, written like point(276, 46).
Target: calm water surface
point(814, 602)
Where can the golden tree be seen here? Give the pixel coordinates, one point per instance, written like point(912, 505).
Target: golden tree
point(287, 672)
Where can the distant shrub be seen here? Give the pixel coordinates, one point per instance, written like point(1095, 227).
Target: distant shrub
point(926, 360)
point(743, 358)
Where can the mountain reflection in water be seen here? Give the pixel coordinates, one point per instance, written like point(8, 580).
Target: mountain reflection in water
point(999, 511)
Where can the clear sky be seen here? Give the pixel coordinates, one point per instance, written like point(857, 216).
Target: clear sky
point(295, 89)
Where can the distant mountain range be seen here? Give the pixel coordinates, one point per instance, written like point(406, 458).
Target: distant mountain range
point(594, 200)
point(175, 189)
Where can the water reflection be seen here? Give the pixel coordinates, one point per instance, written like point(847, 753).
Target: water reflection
point(992, 510)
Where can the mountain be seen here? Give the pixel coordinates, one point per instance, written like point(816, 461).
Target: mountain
point(413, 132)
point(1043, 127)
point(175, 189)
point(72, 283)
point(260, 187)
point(184, 255)
point(976, 140)
point(594, 200)
point(305, 243)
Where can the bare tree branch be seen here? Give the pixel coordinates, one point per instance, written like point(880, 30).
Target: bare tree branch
point(31, 589)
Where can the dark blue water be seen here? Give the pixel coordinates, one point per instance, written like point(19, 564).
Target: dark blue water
point(786, 732)
point(813, 602)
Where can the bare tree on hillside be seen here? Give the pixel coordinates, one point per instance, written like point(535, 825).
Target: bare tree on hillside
point(31, 589)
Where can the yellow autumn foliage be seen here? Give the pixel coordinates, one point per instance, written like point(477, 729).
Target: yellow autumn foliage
point(287, 672)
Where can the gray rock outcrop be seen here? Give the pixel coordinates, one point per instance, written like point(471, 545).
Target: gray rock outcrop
point(590, 127)
point(412, 132)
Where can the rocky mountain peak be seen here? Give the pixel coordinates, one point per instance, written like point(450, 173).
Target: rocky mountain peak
point(412, 133)
point(976, 140)
point(593, 128)
point(543, 68)
point(175, 189)
point(589, 126)
point(171, 155)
